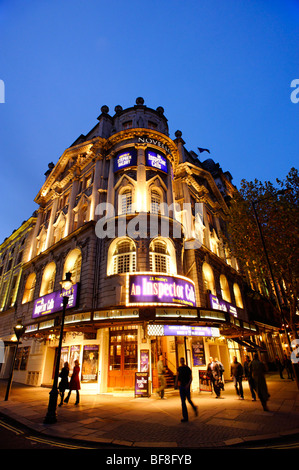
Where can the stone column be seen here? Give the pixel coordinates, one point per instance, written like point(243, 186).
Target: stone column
point(141, 191)
point(49, 239)
point(110, 189)
point(70, 214)
point(95, 187)
point(32, 250)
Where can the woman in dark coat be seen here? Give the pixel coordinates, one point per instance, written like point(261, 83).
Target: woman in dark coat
point(64, 382)
point(74, 383)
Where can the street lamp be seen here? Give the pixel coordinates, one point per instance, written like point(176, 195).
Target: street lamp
point(19, 330)
point(282, 191)
point(51, 418)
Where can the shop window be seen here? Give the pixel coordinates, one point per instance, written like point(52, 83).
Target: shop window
point(208, 278)
point(225, 292)
point(73, 265)
point(162, 256)
point(238, 296)
point(122, 257)
point(48, 280)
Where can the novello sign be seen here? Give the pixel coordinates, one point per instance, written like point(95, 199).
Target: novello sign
point(159, 289)
point(52, 303)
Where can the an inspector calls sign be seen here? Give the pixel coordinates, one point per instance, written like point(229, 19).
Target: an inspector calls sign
point(52, 303)
point(153, 289)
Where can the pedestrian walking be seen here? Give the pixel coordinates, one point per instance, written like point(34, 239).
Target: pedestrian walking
point(221, 368)
point(258, 370)
point(289, 367)
point(64, 382)
point(161, 377)
point(279, 366)
point(184, 378)
point(247, 374)
point(74, 383)
point(237, 376)
point(213, 373)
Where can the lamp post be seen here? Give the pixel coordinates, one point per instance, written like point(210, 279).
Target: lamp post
point(19, 330)
point(51, 418)
point(283, 191)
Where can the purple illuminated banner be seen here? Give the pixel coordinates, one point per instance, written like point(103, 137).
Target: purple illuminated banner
point(52, 303)
point(152, 289)
point(220, 304)
point(186, 330)
point(125, 159)
point(156, 160)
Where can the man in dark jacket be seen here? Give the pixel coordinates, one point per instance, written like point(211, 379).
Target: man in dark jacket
point(184, 379)
point(237, 376)
point(248, 376)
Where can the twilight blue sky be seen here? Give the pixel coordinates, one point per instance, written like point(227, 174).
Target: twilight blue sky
point(222, 71)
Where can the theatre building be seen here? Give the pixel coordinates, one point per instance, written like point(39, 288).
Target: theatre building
point(137, 220)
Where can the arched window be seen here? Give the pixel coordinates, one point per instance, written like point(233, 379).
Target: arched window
point(238, 296)
point(225, 292)
point(48, 280)
point(162, 256)
point(208, 278)
point(29, 288)
point(122, 257)
point(73, 265)
point(126, 202)
point(155, 202)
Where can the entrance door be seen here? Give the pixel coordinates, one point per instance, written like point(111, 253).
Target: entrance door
point(123, 360)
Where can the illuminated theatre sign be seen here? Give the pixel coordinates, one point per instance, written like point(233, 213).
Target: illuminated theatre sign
point(220, 304)
point(157, 289)
point(52, 303)
point(156, 160)
point(125, 159)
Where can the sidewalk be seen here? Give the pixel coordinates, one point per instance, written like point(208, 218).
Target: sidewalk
point(152, 422)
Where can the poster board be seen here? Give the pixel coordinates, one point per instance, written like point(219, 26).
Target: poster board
point(141, 384)
point(205, 384)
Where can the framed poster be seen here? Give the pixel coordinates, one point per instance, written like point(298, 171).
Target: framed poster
point(144, 360)
point(198, 352)
point(74, 355)
point(90, 362)
point(64, 357)
point(205, 384)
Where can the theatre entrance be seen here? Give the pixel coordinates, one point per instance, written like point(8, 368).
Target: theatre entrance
point(123, 359)
point(171, 348)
